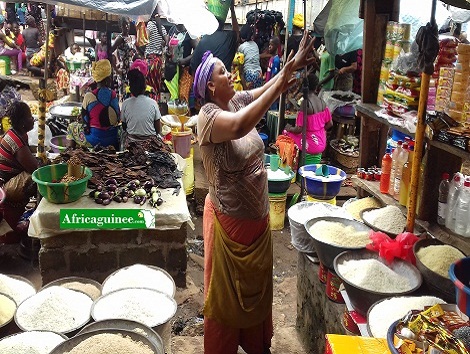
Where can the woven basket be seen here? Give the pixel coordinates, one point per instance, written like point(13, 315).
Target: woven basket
point(348, 162)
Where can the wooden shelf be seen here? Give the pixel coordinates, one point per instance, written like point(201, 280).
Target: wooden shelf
point(369, 110)
point(450, 149)
point(433, 229)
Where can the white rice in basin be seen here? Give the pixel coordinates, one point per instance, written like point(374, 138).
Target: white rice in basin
point(338, 234)
point(55, 309)
point(139, 276)
point(146, 306)
point(17, 289)
point(373, 275)
point(383, 314)
point(34, 342)
point(389, 219)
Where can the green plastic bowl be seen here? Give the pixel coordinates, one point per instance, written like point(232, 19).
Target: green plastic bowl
point(59, 193)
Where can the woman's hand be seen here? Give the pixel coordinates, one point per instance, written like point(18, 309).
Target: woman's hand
point(286, 79)
point(305, 55)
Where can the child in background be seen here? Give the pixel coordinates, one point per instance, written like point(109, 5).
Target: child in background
point(318, 121)
point(101, 48)
point(274, 65)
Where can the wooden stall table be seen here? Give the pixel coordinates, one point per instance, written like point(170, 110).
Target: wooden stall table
point(96, 253)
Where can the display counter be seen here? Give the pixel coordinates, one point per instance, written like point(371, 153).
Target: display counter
point(96, 253)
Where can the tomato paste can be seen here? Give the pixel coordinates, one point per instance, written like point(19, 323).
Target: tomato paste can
point(333, 282)
point(322, 273)
point(349, 324)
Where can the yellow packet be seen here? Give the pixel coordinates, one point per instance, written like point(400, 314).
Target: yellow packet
point(433, 312)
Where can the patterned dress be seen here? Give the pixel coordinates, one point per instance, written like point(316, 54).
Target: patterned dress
point(126, 51)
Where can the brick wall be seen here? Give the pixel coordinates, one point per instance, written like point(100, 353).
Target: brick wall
point(96, 254)
point(316, 314)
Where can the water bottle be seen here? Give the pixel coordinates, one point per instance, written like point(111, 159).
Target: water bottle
point(442, 200)
point(454, 192)
point(395, 155)
point(386, 170)
point(402, 159)
point(462, 210)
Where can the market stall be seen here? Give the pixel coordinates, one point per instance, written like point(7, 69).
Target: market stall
point(145, 181)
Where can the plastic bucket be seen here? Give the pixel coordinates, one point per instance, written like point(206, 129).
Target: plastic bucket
point(300, 238)
point(219, 8)
point(277, 210)
point(2, 67)
point(459, 273)
point(264, 137)
point(188, 174)
point(331, 201)
point(182, 142)
point(7, 61)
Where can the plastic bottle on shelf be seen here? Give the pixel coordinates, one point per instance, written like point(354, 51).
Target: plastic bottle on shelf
point(462, 210)
point(442, 200)
point(406, 178)
point(452, 198)
point(402, 159)
point(386, 169)
point(395, 155)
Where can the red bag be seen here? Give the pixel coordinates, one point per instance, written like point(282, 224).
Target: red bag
point(388, 248)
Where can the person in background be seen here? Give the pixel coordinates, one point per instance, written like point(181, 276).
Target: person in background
point(101, 48)
point(238, 253)
point(72, 51)
point(252, 74)
point(140, 114)
point(125, 46)
point(16, 54)
point(31, 38)
point(222, 44)
point(141, 65)
point(319, 120)
point(346, 65)
point(34, 10)
point(17, 163)
point(142, 37)
point(298, 24)
point(100, 112)
point(274, 64)
point(158, 41)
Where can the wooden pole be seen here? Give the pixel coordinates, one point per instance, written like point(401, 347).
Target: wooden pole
point(419, 141)
point(43, 95)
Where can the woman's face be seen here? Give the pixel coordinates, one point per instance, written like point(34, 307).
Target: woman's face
point(221, 83)
point(28, 121)
point(104, 39)
point(8, 29)
point(15, 28)
point(125, 28)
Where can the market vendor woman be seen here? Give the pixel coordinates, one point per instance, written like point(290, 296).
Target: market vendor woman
point(17, 163)
point(100, 112)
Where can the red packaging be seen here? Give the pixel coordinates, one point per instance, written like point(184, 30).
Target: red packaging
point(333, 282)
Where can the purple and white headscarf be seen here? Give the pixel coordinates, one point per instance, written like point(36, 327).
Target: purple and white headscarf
point(203, 75)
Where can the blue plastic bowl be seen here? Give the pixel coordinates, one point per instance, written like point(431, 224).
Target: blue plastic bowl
point(390, 334)
point(459, 273)
point(319, 189)
point(264, 137)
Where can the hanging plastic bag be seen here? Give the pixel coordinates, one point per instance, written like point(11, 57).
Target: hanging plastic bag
point(344, 28)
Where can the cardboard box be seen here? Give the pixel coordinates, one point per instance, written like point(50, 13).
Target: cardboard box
point(340, 344)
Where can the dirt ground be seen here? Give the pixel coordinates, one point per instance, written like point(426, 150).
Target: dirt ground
point(188, 323)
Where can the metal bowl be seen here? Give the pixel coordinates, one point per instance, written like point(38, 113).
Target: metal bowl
point(140, 283)
point(69, 332)
point(327, 252)
point(405, 307)
point(375, 228)
point(362, 299)
point(390, 335)
point(437, 284)
point(67, 280)
point(40, 342)
point(127, 325)
point(8, 298)
point(70, 344)
point(64, 110)
point(169, 301)
point(23, 279)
